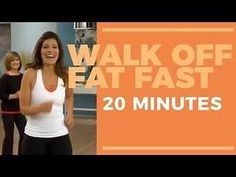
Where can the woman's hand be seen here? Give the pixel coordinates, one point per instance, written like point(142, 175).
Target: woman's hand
point(69, 121)
point(46, 107)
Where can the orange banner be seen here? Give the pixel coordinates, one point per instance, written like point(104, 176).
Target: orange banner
point(165, 88)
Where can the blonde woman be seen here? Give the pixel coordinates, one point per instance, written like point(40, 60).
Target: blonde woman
point(9, 93)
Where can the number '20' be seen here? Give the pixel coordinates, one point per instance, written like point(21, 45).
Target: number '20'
point(117, 103)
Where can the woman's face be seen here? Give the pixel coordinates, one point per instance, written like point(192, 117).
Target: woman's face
point(50, 52)
point(15, 63)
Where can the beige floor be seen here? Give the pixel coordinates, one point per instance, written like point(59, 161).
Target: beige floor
point(83, 137)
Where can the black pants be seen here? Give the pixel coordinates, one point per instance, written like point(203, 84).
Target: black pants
point(8, 124)
point(46, 146)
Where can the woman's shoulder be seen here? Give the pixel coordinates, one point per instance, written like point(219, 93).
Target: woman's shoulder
point(21, 74)
point(4, 76)
point(30, 73)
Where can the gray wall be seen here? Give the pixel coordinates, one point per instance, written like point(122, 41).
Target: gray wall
point(25, 35)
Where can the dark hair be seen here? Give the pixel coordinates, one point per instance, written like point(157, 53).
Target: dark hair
point(37, 63)
point(10, 56)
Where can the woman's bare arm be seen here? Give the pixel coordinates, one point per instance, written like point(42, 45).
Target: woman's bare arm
point(25, 95)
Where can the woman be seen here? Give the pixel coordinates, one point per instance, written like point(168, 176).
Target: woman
point(9, 93)
point(43, 94)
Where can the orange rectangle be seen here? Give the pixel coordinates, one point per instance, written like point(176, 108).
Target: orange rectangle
point(168, 88)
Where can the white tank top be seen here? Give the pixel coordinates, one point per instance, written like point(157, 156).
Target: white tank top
point(47, 125)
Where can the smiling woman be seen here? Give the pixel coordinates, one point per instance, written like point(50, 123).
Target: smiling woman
point(10, 83)
point(47, 128)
